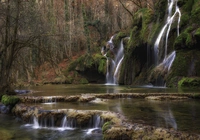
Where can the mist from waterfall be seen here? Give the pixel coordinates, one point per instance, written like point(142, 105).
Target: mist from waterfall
point(165, 33)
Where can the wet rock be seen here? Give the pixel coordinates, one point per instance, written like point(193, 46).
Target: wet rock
point(86, 98)
point(99, 101)
point(22, 91)
point(72, 98)
point(166, 97)
point(5, 109)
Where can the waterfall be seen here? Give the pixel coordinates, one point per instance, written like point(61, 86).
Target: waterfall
point(163, 59)
point(113, 65)
point(95, 123)
point(165, 31)
point(167, 63)
point(68, 123)
point(35, 123)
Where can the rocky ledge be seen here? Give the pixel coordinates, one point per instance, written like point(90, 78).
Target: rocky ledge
point(114, 126)
point(93, 97)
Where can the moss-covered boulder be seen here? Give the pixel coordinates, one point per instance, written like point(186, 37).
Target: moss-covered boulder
point(9, 100)
point(87, 69)
point(189, 82)
point(186, 64)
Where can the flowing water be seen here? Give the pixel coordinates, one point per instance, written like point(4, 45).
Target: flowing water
point(179, 115)
point(165, 32)
point(113, 64)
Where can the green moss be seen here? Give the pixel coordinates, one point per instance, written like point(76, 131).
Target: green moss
point(184, 40)
point(142, 20)
point(191, 82)
point(9, 100)
point(195, 13)
point(89, 61)
point(186, 5)
point(159, 10)
point(84, 81)
point(172, 82)
point(69, 79)
point(184, 19)
point(197, 33)
point(134, 38)
point(106, 126)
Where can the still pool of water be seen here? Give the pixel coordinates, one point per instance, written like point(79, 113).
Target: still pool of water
point(65, 90)
point(180, 115)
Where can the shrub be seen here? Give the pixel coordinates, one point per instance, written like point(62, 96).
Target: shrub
point(9, 100)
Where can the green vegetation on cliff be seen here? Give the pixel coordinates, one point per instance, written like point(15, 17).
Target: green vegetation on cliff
point(189, 82)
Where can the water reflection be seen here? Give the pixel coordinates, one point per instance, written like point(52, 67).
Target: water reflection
point(179, 115)
point(167, 115)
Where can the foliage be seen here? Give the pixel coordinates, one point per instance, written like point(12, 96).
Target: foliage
point(106, 126)
point(195, 13)
point(87, 61)
point(197, 33)
point(191, 82)
point(9, 100)
point(84, 81)
point(184, 40)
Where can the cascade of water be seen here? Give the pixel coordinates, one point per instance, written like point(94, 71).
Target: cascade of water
point(167, 26)
point(97, 121)
point(68, 123)
point(167, 63)
point(35, 123)
point(113, 65)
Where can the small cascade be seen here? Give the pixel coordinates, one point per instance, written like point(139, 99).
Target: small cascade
point(49, 100)
point(167, 62)
point(48, 123)
point(68, 123)
point(165, 31)
point(96, 121)
point(96, 124)
point(113, 65)
point(35, 123)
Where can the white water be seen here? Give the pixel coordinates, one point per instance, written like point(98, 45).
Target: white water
point(35, 123)
point(96, 124)
point(164, 32)
point(167, 62)
point(113, 65)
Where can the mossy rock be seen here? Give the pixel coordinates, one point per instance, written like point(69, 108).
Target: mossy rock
point(100, 63)
point(197, 34)
point(83, 81)
point(195, 13)
point(9, 100)
point(185, 39)
point(89, 61)
point(189, 82)
point(186, 64)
